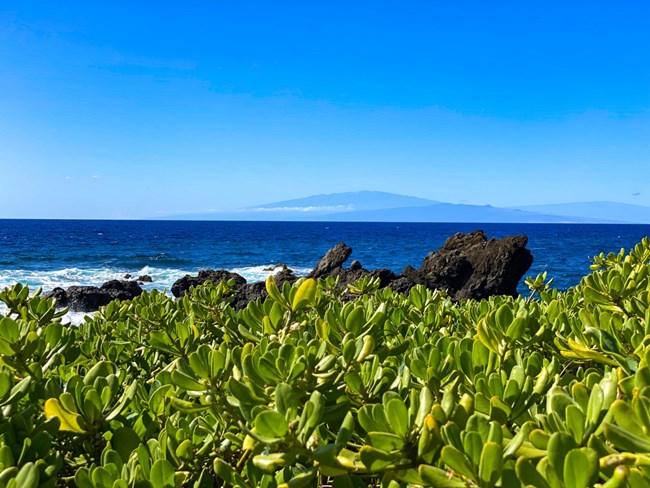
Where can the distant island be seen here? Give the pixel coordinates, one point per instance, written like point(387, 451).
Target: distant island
point(375, 206)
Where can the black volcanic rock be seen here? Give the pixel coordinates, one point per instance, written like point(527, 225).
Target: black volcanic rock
point(122, 289)
point(91, 298)
point(471, 266)
point(183, 284)
point(402, 284)
point(242, 293)
point(333, 259)
point(466, 266)
point(59, 295)
point(354, 265)
point(257, 290)
point(145, 279)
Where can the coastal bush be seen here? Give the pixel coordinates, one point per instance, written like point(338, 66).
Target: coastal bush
point(306, 388)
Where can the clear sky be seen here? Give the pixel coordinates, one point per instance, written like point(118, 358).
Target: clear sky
point(135, 109)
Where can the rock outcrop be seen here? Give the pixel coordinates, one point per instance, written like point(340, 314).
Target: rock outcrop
point(183, 284)
point(90, 298)
point(466, 266)
point(331, 261)
point(253, 291)
point(243, 292)
point(471, 266)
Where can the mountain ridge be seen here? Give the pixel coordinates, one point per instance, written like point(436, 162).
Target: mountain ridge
point(375, 206)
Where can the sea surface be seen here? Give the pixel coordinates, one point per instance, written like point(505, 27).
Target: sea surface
point(51, 253)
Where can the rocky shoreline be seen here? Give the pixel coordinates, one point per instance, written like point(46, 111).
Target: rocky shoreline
point(467, 266)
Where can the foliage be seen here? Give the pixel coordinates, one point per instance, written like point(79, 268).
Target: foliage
point(305, 389)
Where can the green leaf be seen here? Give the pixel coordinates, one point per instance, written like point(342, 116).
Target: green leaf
point(82, 478)
point(594, 296)
point(473, 445)
point(487, 336)
point(124, 401)
point(595, 405)
point(499, 410)
point(187, 407)
point(624, 440)
point(274, 292)
point(270, 463)
point(311, 415)
point(349, 349)
point(125, 441)
point(198, 364)
point(271, 424)
point(101, 477)
point(28, 476)
point(366, 420)
point(504, 317)
point(559, 445)
point(528, 475)
point(6, 348)
point(397, 416)
point(385, 441)
point(376, 460)
point(101, 369)
point(112, 460)
point(229, 474)
point(626, 417)
point(457, 461)
point(491, 465)
point(18, 391)
point(516, 442)
point(575, 422)
point(355, 320)
point(426, 402)
point(345, 431)
point(6, 457)
point(539, 439)
point(354, 382)
point(162, 474)
point(581, 468)
point(517, 328)
point(438, 477)
point(305, 295)
point(9, 331)
point(301, 480)
point(286, 400)
point(187, 382)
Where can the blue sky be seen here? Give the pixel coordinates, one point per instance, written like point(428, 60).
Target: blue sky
point(139, 109)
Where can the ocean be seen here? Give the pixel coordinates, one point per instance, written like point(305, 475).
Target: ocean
point(51, 253)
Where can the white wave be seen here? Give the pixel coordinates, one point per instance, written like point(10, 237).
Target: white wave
point(64, 278)
point(162, 279)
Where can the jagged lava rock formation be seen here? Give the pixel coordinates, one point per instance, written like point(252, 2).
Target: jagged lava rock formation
point(467, 266)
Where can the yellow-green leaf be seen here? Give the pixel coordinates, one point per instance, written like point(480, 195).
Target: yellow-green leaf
point(69, 421)
point(305, 295)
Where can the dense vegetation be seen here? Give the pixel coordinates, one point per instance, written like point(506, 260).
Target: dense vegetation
point(309, 389)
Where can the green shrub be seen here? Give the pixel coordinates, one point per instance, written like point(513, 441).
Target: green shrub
point(304, 389)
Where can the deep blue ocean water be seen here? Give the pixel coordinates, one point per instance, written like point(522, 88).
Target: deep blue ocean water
point(51, 253)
